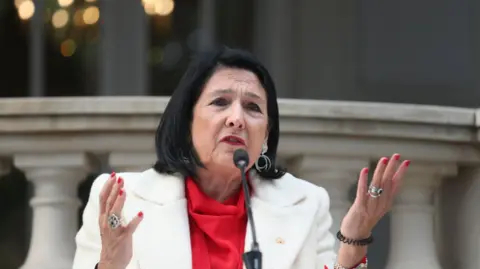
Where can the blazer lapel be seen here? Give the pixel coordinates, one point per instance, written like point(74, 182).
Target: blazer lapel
point(283, 218)
point(163, 239)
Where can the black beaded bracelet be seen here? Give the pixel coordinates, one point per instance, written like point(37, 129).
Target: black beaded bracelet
point(359, 242)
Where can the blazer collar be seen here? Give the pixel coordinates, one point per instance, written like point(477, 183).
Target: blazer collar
point(274, 191)
point(283, 213)
point(159, 188)
point(162, 189)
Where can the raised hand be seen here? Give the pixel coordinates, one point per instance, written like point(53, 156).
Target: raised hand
point(116, 236)
point(374, 201)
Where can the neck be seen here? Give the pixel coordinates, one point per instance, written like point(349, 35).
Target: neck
point(217, 186)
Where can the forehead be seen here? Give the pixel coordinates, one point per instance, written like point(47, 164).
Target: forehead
point(225, 78)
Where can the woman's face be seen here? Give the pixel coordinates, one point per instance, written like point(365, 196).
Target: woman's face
point(231, 113)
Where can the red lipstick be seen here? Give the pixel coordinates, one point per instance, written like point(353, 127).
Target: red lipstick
point(233, 140)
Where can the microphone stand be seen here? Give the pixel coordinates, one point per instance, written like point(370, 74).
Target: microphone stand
point(253, 258)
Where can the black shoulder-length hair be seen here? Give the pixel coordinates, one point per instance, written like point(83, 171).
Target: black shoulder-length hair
point(173, 143)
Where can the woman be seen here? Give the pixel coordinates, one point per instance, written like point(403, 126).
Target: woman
point(188, 211)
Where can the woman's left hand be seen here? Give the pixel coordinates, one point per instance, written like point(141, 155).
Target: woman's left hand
point(374, 201)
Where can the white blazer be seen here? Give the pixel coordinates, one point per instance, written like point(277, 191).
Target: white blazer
point(291, 216)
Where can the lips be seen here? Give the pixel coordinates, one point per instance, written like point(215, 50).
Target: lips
point(233, 140)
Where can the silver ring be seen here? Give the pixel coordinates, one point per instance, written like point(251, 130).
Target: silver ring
point(375, 192)
point(114, 221)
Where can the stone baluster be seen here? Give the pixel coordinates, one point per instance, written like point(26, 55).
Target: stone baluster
point(55, 178)
point(337, 175)
point(412, 242)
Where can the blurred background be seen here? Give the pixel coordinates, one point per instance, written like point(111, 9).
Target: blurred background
point(415, 52)
point(402, 51)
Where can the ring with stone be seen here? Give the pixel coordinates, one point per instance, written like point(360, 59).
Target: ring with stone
point(114, 221)
point(375, 192)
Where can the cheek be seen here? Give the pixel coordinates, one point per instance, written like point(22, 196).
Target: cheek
point(204, 131)
point(258, 130)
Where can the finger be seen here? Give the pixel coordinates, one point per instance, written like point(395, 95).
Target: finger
point(107, 188)
point(391, 168)
point(119, 202)
point(397, 179)
point(113, 194)
point(386, 184)
point(362, 187)
point(379, 171)
point(132, 226)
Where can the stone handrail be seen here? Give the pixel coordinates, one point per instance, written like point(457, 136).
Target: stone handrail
point(325, 142)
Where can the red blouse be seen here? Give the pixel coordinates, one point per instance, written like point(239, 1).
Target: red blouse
point(217, 230)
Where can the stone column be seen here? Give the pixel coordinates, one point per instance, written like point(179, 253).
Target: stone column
point(412, 243)
point(274, 41)
point(37, 64)
point(326, 48)
point(131, 161)
point(124, 42)
point(207, 24)
point(55, 178)
point(337, 175)
point(460, 215)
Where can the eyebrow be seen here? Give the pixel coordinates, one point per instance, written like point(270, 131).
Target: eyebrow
point(230, 91)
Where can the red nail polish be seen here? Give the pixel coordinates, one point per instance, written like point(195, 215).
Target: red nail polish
point(365, 170)
point(120, 192)
point(407, 162)
point(396, 157)
point(119, 180)
point(112, 175)
point(140, 214)
point(385, 160)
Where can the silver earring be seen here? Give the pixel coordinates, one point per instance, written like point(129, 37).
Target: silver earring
point(267, 163)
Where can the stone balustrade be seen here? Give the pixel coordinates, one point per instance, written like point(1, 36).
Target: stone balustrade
point(57, 141)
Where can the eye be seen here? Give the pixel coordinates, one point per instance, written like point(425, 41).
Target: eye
point(219, 102)
point(253, 107)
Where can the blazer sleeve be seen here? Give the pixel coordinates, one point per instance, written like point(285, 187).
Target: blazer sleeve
point(88, 241)
point(326, 255)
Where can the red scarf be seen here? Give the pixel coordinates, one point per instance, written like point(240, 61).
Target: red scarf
point(217, 230)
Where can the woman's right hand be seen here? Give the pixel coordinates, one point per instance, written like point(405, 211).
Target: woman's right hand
point(116, 242)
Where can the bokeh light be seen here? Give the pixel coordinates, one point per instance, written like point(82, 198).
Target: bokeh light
point(60, 18)
point(158, 7)
point(164, 7)
point(26, 9)
point(91, 15)
point(65, 3)
point(68, 48)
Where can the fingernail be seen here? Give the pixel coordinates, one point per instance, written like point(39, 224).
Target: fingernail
point(365, 170)
point(119, 180)
point(120, 192)
point(140, 214)
point(407, 162)
point(112, 175)
point(385, 160)
point(396, 157)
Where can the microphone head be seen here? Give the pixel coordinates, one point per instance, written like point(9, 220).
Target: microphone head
point(240, 158)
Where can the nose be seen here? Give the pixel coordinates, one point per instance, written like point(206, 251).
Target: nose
point(236, 118)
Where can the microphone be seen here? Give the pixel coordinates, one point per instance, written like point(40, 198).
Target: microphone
point(253, 258)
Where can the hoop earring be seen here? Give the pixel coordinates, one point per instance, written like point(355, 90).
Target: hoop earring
point(267, 163)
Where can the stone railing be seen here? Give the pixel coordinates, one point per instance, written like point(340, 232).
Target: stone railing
point(57, 141)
